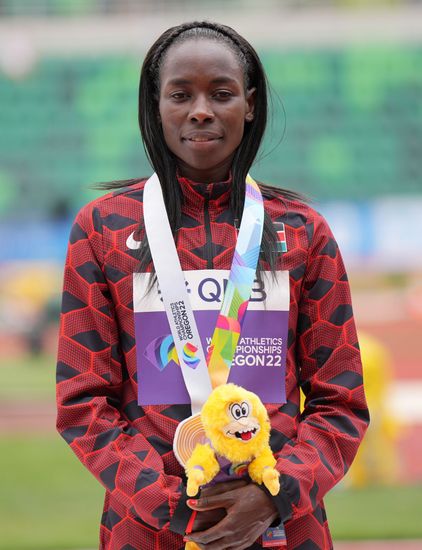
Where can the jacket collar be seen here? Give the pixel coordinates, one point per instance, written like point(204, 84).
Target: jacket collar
point(195, 194)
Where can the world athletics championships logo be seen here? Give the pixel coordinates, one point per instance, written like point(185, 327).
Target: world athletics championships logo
point(189, 358)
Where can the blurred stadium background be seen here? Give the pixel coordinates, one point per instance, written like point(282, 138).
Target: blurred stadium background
point(346, 130)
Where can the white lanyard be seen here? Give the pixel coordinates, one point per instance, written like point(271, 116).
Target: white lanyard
point(173, 291)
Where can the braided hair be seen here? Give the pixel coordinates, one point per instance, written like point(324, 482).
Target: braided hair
point(160, 156)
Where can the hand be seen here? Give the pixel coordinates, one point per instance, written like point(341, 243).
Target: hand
point(208, 518)
point(249, 512)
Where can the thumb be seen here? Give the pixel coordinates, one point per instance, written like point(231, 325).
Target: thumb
point(222, 500)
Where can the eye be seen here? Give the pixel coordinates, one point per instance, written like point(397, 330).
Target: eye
point(223, 94)
point(239, 410)
point(179, 96)
point(236, 411)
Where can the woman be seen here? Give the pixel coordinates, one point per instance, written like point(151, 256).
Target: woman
point(202, 114)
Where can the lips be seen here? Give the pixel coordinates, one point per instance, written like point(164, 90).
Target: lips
point(201, 137)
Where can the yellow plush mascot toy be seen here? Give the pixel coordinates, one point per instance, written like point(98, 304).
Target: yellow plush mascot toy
point(235, 442)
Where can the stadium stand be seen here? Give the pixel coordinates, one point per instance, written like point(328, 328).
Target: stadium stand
point(347, 124)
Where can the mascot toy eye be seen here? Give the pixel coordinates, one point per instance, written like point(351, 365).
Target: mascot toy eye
point(235, 433)
point(239, 410)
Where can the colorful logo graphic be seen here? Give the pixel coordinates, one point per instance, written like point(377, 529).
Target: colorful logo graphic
point(161, 351)
point(189, 358)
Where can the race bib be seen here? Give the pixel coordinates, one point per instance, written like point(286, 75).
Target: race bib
point(259, 363)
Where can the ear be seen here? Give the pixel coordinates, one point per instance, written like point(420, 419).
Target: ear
point(250, 104)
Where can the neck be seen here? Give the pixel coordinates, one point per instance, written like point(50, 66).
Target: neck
point(208, 175)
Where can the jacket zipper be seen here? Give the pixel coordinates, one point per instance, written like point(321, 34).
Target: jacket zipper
point(208, 238)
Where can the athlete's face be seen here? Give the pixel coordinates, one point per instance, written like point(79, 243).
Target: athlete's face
point(203, 107)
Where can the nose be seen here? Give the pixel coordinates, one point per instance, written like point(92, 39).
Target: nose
point(200, 110)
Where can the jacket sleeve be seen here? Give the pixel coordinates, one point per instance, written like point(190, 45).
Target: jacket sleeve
point(335, 414)
point(90, 376)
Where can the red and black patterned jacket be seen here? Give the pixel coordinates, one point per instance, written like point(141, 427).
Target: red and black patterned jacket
point(129, 448)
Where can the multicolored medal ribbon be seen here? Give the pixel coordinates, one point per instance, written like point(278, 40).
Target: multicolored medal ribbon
point(238, 290)
point(196, 370)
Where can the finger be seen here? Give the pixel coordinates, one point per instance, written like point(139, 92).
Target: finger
point(220, 500)
point(205, 520)
point(212, 537)
point(211, 502)
point(218, 488)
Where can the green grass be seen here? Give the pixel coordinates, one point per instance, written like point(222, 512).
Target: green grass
point(375, 513)
point(48, 501)
point(27, 378)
